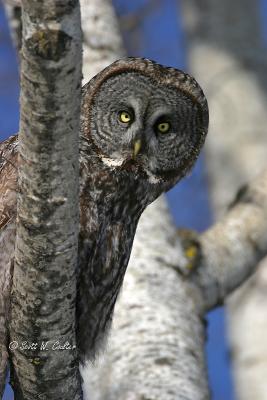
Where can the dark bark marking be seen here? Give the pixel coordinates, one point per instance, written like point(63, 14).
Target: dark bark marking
point(48, 44)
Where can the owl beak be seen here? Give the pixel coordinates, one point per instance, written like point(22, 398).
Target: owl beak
point(136, 148)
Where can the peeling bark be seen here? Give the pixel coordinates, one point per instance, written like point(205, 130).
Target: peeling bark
point(44, 281)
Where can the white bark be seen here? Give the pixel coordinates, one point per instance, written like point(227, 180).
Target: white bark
point(102, 43)
point(228, 56)
point(44, 280)
point(231, 249)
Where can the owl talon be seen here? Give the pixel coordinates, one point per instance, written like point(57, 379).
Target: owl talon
point(192, 250)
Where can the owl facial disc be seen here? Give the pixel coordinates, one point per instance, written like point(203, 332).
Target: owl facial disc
point(152, 116)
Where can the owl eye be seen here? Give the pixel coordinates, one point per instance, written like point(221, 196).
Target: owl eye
point(125, 117)
point(163, 127)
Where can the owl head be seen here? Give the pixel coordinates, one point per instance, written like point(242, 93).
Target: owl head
point(141, 114)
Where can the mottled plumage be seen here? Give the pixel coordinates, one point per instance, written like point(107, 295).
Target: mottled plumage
point(8, 183)
point(143, 126)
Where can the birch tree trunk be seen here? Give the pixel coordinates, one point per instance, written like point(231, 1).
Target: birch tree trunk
point(44, 280)
point(227, 54)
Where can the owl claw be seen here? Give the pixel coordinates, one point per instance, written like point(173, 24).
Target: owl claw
point(192, 250)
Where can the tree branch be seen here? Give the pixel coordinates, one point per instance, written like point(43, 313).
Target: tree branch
point(44, 280)
point(232, 248)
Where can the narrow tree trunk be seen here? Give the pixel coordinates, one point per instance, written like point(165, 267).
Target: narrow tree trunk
point(42, 328)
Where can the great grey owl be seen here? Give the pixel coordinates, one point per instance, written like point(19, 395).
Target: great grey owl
point(142, 128)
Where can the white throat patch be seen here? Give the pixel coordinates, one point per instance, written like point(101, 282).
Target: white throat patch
point(152, 178)
point(110, 162)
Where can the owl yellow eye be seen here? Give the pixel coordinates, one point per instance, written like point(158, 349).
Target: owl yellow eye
point(163, 127)
point(125, 117)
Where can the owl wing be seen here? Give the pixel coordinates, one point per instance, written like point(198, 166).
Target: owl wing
point(103, 262)
point(8, 199)
point(8, 180)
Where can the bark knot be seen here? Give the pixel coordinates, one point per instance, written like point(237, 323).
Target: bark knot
point(48, 44)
